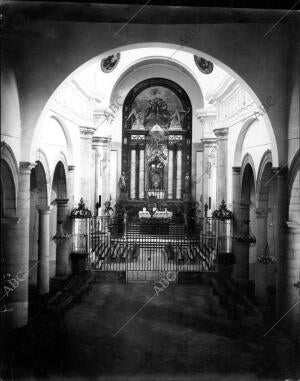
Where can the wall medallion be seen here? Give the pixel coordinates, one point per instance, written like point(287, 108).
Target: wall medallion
point(206, 67)
point(109, 63)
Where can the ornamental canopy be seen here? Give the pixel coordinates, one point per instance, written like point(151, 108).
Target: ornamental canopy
point(222, 213)
point(81, 211)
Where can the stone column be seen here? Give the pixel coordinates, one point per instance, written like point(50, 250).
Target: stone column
point(262, 229)
point(222, 139)
point(291, 278)
point(63, 248)
point(282, 216)
point(241, 269)
point(16, 251)
point(13, 295)
point(170, 174)
point(142, 174)
point(237, 222)
point(98, 148)
point(208, 146)
point(86, 134)
point(105, 168)
point(133, 174)
point(43, 250)
point(179, 174)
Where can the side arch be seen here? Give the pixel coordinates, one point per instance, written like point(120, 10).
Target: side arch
point(239, 143)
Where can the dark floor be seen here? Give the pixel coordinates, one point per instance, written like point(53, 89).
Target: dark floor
point(182, 333)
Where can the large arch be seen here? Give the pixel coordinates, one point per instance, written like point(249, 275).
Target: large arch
point(239, 143)
point(31, 134)
point(8, 156)
point(294, 188)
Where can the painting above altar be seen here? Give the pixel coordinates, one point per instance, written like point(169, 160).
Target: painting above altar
point(156, 105)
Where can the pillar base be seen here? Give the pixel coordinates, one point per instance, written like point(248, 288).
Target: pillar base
point(79, 263)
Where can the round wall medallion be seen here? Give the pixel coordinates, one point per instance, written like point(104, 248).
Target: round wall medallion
point(109, 63)
point(206, 67)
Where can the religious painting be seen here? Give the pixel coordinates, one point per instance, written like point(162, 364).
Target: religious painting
point(156, 105)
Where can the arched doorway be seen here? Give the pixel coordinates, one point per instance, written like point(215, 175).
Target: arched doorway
point(267, 232)
point(58, 244)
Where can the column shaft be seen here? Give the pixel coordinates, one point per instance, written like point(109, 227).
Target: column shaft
point(63, 248)
point(142, 174)
point(222, 139)
point(133, 174)
point(170, 174)
point(43, 250)
point(86, 134)
point(16, 251)
point(179, 175)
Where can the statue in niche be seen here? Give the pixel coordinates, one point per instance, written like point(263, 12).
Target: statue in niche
point(123, 182)
point(138, 123)
point(176, 120)
point(187, 182)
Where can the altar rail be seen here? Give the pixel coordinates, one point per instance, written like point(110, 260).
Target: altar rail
point(147, 249)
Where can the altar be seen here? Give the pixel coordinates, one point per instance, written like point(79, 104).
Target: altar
point(157, 223)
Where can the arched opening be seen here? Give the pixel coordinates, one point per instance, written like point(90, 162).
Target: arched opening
point(157, 135)
point(266, 232)
point(247, 218)
point(57, 214)
point(8, 191)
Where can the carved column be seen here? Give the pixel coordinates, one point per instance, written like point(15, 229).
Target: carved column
point(222, 140)
point(209, 145)
point(98, 147)
point(132, 173)
point(170, 174)
point(142, 174)
point(86, 134)
point(179, 174)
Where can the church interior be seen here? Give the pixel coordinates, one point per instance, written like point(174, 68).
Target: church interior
point(150, 192)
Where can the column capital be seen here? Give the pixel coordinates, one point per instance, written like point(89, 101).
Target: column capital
point(26, 167)
point(44, 209)
point(221, 133)
point(10, 220)
point(100, 141)
point(71, 168)
point(209, 141)
point(62, 201)
point(236, 170)
point(86, 132)
point(244, 204)
point(293, 226)
point(280, 171)
point(262, 212)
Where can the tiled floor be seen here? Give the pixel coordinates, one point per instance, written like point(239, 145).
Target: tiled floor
point(134, 332)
